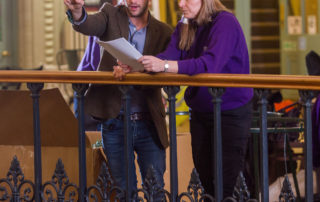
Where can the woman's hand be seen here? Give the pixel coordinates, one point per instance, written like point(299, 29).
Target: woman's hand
point(152, 64)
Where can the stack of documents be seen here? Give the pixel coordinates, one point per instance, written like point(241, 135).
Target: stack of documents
point(122, 50)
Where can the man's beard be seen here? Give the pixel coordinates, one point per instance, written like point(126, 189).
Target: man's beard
point(143, 11)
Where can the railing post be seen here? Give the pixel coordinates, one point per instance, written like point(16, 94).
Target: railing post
point(307, 96)
point(80, 89)
point(172, 92)
point(264, 180)
point(35, 89)
point(216, 143)
point(128, 140)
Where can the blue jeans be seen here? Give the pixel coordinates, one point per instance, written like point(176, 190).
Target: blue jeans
point(145, 144)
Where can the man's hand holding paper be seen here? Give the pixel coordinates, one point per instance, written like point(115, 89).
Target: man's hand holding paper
point(121, 70)
point(123, 51)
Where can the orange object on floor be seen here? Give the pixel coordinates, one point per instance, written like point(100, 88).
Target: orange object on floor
point(283, 104)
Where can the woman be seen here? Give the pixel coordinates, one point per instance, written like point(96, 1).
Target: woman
point(210, 40)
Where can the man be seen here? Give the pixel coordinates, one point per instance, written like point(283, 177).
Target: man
point(103, 102)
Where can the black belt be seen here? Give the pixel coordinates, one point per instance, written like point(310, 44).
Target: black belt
point(137, 116)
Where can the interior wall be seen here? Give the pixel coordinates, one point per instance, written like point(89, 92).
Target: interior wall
point(29, 39)
point(43, 31)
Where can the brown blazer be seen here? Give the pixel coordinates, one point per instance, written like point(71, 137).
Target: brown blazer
point(104, 101)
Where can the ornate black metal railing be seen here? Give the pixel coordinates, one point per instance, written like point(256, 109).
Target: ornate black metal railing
point(15, 188)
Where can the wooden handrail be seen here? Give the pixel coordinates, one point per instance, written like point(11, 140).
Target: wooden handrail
point(166, 79)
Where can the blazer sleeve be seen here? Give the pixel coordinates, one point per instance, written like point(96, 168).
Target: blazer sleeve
point(95, 24)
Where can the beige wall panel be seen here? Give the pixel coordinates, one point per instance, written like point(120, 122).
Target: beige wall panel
point(37, 33)
point(72, 39)
point(31, 33)
point(43, 31)
point(41, 25)
point(59, 19)
point(25, 33)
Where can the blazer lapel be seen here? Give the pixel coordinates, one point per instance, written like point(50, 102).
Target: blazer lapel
point(151, 37)
point(123, 23)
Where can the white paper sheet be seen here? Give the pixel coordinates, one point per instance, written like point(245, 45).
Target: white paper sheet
point(122, 50)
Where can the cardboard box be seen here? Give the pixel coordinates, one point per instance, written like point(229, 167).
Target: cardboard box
point(59, 136)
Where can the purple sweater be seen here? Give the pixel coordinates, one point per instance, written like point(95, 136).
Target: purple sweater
point(219, 47)
point(316, 133)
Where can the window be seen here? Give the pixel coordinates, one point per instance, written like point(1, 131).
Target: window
point(311, 11)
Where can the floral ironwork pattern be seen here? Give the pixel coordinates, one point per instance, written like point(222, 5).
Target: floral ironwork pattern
point(240, 192)
point(195, 191)
point(105, 189)
point(286, 194)
point(14, 184)
point(59, 186)
point(151, 189)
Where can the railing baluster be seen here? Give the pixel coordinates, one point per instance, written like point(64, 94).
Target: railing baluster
point(35, 94)
point(128, 140)
point(255, 81)
point(307, 97)
point(172, 92)
point(80, 89)
point(262, 94)
point(216, 142)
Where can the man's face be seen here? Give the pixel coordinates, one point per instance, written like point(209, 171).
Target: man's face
point(137, 8)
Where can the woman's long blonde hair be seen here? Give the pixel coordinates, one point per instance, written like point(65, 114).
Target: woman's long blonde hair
point(204, 16)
